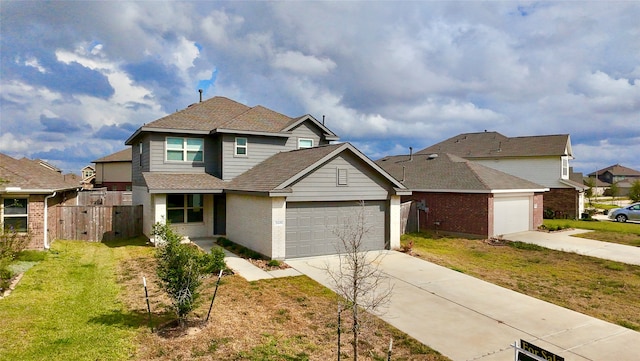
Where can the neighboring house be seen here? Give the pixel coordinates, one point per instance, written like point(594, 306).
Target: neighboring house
point(266, 181)
point(622, 176)
point(616, 173)
point(88, 177)
point(461, 197)
point(29, 191)
point(114, 171)
point(543, 160)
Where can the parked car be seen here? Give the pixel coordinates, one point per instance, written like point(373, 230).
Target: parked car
point(628, 213)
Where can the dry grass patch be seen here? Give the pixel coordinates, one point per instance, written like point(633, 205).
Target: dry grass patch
point(604, 289)
point(278, 319)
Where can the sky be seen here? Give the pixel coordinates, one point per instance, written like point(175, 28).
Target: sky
point(78, 78)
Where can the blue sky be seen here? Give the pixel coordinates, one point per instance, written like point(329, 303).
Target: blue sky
point(77, 78)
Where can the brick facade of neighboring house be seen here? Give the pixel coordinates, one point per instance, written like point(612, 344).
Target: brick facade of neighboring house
point(462, 214)
point(26, 184)
point(465, 198)
point(561, 202)
point(542, 159)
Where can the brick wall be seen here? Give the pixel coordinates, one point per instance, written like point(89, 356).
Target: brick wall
point(563, 201)
point(456, 213)
point(538, 211)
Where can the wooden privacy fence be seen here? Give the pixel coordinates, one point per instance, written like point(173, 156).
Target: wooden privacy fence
point(99, 223)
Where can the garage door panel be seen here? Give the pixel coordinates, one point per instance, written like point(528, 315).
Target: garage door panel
point(311, 226)
point(512, 215)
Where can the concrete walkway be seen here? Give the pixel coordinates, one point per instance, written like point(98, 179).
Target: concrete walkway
point(466, 318)
point(243, 267)
point(563, 241)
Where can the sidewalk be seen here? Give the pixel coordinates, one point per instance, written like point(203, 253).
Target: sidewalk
point(563, 241)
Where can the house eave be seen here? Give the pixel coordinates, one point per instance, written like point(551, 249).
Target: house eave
point(250, 132)
point(140, 130)
point(185, 191)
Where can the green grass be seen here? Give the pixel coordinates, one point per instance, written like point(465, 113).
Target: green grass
point(67, 308)
point(606, 231)
point(605, 226)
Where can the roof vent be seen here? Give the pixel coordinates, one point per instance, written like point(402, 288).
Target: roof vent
point(432, 156)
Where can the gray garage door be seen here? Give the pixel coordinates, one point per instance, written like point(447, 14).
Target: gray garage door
point(311, 226)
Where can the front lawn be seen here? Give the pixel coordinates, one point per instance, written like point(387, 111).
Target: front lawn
point(604, 289)
point(85, 301)
point(606, 231)
point(67, 308)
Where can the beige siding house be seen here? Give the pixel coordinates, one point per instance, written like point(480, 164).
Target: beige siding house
point(114, 171)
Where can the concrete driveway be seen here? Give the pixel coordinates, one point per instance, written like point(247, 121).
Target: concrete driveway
point(563, 241)
point(465, 318)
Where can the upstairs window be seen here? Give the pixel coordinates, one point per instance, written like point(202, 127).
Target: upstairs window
point(185, 149)
point(305, 143)
point(565, 168)
point(241, 146)
point(184, 208)
point(15, 214)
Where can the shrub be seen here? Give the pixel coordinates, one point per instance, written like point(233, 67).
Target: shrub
point(548, 213)
point(12, 243)
point(274, 263)
point(5, 275)
point(181, 268)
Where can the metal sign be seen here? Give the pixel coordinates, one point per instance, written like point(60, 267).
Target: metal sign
point(530, 352)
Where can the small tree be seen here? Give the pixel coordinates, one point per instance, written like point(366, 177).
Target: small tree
point(591, 183)
point(614, 190)
point(358, 278)
point(634, 191)
point(181, 268)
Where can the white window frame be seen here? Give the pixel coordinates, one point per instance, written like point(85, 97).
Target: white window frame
point(184, 149)
point(300, 140)
point(20, 215)
point(565, 168)
point(244, 146)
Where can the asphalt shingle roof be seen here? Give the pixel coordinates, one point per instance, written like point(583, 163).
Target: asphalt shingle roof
point(617, 169)
point(28, 174)
point(182, 182)
point(443, 171)
point(121, 156)
point(494, 144)
point(224, 113)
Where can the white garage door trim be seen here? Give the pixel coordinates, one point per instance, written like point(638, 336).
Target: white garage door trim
point(512, 214)
point(311, 225)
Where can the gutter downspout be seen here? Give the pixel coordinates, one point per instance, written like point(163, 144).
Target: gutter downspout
point(46, 219)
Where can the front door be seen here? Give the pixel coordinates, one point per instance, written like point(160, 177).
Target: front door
point(220, 214)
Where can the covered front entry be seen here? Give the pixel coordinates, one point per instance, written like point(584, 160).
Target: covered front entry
point(512, 214)
point(311, 226)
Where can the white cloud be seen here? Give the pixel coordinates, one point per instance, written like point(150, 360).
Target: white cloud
point(33, 62)
point(297, 62)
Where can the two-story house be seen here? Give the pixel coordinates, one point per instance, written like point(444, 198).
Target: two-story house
point(114, 171)
point(267, 181)
point(617, 174)
point(543, 160)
